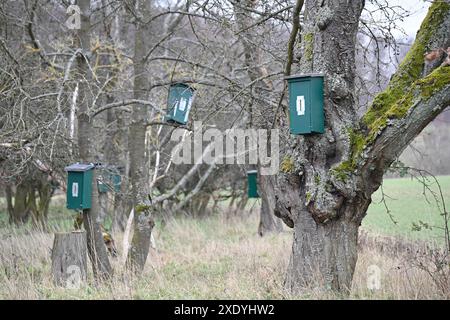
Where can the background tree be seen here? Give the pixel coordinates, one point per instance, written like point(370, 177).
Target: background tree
point(261, 115)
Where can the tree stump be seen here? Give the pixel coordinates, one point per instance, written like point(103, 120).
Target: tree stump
point(69, 259)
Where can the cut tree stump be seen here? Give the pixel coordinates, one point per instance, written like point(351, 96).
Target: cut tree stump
point(69, 259)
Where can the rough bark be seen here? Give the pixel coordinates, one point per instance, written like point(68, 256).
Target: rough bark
point(140, 244)
point(69, 261)
point(96, 248)
point(143, 220)
point(268, 221)
point(326, 181)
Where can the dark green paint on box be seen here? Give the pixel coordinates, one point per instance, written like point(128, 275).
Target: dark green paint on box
point(79, 186)
point(179, 103)
point(306, 107)
point(252, 182)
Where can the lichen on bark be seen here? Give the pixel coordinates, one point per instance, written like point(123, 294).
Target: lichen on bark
point(140, 208)
point(287, 165)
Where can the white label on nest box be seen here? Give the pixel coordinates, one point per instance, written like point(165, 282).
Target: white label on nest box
point(75, 189)
point(301, 105)
point(182, 105)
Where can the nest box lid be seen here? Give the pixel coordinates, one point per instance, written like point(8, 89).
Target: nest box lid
point(182, 84)
point(304, 75)
point(79, 167)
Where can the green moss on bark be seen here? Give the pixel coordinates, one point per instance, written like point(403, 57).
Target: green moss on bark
point(287, 165)
point(393, 103)
point(435, 82)
point(140, 208)
point(308, 196)
point(404, 90)
point(308, 40)
point(342, 171)
point(317, 178)
point(357, 145)
point(422, 89)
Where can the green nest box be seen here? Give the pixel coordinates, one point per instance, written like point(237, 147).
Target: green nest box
point(306, 111)
point(179, 103)
point(110, 179)
point(102, 186)
point(252, 182)
point(79, 186)
point(116, 181)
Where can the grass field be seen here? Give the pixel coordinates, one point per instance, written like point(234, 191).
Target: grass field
point(220, 258)
point(406, 200)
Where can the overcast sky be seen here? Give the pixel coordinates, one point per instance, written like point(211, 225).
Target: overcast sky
point(418, 10)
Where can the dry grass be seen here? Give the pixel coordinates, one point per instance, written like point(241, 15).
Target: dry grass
point(213, 258)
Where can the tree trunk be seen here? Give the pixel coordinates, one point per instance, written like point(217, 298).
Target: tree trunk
point(103, 206)
point(20, 210)
point(268, 221)
point(260, 115)
point(96, 248)
point(115, 155)
point(140, 244)
point(120, 212)
point(45, 191)
point(31, 203)
point(143, 220)
point(121, 206)
point(323, 256)
point(325, 225)
point(9, 203)
point(39, 209)
point(113, 150)
point(69, 261)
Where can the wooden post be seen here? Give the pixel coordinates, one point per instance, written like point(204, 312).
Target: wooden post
point(69, 259)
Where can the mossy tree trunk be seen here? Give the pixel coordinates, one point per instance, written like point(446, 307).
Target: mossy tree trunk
point(326, 181)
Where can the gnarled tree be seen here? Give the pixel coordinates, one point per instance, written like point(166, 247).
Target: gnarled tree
point(326, 181)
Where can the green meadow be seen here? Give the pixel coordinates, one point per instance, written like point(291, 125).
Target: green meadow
point(409, 203)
